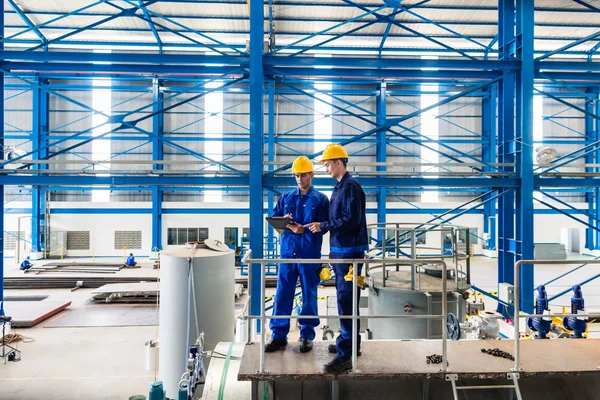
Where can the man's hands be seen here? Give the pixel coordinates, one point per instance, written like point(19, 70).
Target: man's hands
point(296, 228)
point(314, 227)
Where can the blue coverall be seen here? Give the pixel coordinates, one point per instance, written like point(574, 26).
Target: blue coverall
point(130, 260)
point(347, 227)
point(305, 208)
point(25, 265)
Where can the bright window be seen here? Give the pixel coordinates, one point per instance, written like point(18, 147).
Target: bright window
point(213, 129)
point(101, 148)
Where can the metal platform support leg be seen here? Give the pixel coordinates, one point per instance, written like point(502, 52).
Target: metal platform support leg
point(453, 378)
point(516, 390)
point(254, 390)
point(426, 389)
point(335, 389)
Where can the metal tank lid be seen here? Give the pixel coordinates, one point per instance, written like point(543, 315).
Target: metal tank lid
point(201, 251)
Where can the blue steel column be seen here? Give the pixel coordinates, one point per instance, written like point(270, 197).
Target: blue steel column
point(157, 154)
point(257, 82)
point(271, 158)
point(591, 135)
point(39, 135)
point(524, 146)
point(381, 157)
point(1, 159)
point(506, 136)
point(488, 122)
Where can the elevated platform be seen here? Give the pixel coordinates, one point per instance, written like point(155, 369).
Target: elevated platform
point(383, 360)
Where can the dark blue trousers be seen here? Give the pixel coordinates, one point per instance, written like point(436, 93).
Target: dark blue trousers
point(344, 300)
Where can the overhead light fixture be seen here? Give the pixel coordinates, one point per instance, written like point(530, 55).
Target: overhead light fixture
point(545, 155)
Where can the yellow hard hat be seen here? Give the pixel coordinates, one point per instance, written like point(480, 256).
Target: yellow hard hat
point(334, 151)
point(301, 165)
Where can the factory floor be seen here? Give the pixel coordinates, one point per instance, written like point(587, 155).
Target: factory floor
point(110, 362)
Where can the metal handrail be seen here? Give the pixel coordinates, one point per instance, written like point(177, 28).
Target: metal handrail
point(518, 314)
point(263, 317)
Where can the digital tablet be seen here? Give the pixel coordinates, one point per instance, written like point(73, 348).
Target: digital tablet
point(280, 223)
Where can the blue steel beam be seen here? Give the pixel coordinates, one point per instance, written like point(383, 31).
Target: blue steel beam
point(51, 21)
point(40, 123)
point(129, 124)
point(568, 46)
point(255, 181)
point(413, 31)
point(385, 36)
point(2, 166)
point(172, 21)
point(27, 21)
point(151, 26)
point(506, 136)
point(92, 25)
point(324, 31)
point(524, 146)
point(271, 157)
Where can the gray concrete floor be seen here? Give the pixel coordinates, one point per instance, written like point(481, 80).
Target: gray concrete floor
point(109, 362)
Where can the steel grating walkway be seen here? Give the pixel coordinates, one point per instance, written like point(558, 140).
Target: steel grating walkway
point(407, 360)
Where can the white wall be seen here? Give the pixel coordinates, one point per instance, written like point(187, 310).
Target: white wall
point(103, 226)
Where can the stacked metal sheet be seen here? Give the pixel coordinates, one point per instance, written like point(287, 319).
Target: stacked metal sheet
point(75, 267)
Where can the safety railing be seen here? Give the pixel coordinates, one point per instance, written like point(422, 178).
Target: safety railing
point(404, 240)
point(517, 297)
point(355, 262)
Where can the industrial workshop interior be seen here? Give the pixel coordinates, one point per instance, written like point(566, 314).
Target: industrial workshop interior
point(300, 199)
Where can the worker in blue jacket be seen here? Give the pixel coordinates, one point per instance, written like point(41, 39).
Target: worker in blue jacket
point(131, 260)
point(25, 265)
point(348, 239)
point(302, 205)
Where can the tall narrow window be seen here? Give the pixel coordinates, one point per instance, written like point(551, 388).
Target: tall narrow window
point(213, 129)
point(101, 148)
point(323, 122)
point(430, 128)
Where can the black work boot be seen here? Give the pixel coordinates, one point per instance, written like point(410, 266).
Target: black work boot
point(274, 345)
point(338, 365)
point(333, 349)
point(306, 345)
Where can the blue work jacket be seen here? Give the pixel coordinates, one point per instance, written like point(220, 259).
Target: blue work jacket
point(130, 260)
point(305, 208)
point(347, 222)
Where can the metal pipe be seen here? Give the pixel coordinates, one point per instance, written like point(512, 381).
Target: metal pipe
point(354, 316)
point(444, 313)
point(262, 318)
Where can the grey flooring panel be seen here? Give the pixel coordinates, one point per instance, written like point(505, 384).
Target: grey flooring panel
point(407, 359)
point(105, 315)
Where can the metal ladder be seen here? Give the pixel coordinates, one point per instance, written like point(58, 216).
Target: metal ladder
point(511, 376)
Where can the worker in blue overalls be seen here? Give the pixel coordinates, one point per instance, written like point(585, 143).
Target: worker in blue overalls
point(348, 239)
point(25, 265)
point(131, 261)
point(302, 205)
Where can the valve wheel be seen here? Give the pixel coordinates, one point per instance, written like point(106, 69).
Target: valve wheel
point(452, 327)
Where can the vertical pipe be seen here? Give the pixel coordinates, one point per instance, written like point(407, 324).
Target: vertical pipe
point(262, 317)
point(517, 317)
point(444, 314)
point(271, 158)
point(524, 146)
point(590, 136)
point(381, 157)
point(489, 156)
point(157, 155)
point(354, 315)
point(256, 209)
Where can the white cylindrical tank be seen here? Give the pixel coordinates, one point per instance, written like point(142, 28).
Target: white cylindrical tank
point(214, 280)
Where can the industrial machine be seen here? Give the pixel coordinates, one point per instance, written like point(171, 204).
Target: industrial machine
point(485, 325)
point(541, 325)
point(577, 324)
point(416, 289)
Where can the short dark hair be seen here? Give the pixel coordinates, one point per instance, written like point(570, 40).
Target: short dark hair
point(344, 161)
